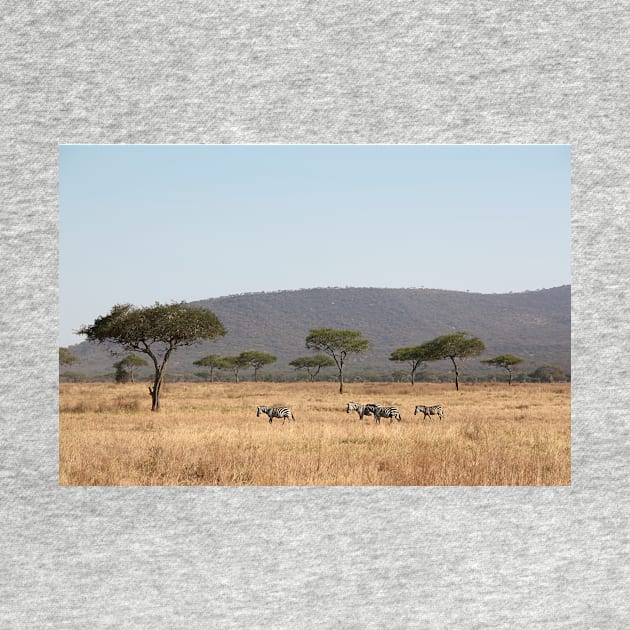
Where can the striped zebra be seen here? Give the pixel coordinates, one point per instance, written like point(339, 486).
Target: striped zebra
point(436, 410)
point(276, 412)
point(378, 411)
point(360, 409)
point(352, 406)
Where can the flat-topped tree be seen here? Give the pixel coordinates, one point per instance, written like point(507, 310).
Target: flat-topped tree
point(337, 344)
point(505, 361)
point(234, 363)
point(458, 345)
point(212, 361)
point(257, 360)
point(312, 365)
point(156, 331)
point(125, 367)
point(415, 356)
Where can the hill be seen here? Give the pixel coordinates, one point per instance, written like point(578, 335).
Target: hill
point(533, 324)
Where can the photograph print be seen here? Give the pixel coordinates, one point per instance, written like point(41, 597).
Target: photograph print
point(314, 315)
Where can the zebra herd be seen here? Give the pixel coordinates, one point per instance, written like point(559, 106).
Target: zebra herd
point(370, 409)
point(378, 411)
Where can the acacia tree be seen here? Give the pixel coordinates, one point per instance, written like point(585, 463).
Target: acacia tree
point(312, 364)
point(257, 360)
point(156, 331)
point(338, 344)
point(234, 363)
point(414, 355)
point(505, 361)
point(124, 367)
point(212, 361)
point(459, 345)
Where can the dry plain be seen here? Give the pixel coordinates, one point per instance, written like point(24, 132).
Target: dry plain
point(208, 434)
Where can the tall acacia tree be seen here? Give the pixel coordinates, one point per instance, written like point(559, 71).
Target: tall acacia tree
point(156, 331)
point(257, 360)
point(459, 345)
point(312, 365)
point(505, 361)
point(414, 355)
point(337, 344)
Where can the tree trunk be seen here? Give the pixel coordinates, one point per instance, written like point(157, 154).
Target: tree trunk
point(341, 381)
point(456, 374)
point(509, 377)
point(160, 371)
point(155, 393)
point(413, 377)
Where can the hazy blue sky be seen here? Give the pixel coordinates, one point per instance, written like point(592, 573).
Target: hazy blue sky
point(151, 223)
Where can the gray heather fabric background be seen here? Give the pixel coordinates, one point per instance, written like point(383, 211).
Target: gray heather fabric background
point(350, 72)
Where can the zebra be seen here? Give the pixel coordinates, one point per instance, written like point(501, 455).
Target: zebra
point(352, 406)
point(360, 409)
point(436, 410)
point(276, 412)
point(382, 412)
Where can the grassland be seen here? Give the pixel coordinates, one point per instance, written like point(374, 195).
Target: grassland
point(208, 434)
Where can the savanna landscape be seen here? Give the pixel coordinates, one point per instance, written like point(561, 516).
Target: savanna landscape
point(208, 434)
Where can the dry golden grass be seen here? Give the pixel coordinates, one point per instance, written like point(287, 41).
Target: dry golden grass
point(208, 434)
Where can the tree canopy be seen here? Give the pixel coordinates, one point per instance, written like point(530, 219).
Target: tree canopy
point(338, 344)
point(415, 356)
point(212, 361)
point(505, 361)
point(312, 364)
point(257, 360)
point(125, 367)
point(156, 331)
point(236, 364)
point(458, 345)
